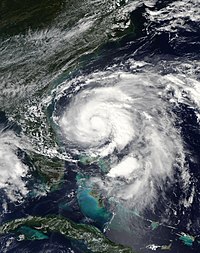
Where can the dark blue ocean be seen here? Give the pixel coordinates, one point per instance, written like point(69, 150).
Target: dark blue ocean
point(100, 124)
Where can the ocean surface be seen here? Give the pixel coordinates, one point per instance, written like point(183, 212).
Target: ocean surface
point(99, 126)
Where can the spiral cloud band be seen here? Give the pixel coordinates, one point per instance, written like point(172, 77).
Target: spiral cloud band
point(99, 120)
point(127, 119)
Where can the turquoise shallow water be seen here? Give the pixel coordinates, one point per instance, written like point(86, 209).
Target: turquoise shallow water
point(99, 126)
point(92, 206)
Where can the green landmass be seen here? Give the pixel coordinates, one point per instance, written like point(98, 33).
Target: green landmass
point(90, 201)
point(102, 163)
point(90, 235)
point(20, 15)
point(49, 170)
